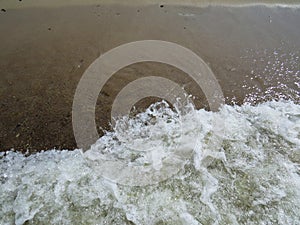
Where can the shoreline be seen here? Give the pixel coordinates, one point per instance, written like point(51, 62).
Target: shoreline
point(46, 50)
point(6, 4)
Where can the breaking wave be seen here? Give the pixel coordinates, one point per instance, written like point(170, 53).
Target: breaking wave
point(236, 166)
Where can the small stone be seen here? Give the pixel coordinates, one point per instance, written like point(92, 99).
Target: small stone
point(3, 10)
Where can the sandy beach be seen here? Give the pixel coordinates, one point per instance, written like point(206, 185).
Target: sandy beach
point(45, 51)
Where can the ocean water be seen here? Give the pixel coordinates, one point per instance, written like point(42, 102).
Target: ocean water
point(202, 3)
point(240, 165)
point(236, 166)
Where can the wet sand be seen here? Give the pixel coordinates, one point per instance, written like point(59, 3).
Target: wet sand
point(45, 51)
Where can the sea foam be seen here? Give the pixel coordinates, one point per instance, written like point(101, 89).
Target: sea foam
point(241, 167)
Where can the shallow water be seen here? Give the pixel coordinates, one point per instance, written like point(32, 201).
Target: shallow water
point(240, 165)
point(202, 3)
point(244, 168)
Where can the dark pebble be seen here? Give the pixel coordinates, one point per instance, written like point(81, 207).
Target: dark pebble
point(3, 10)
point(161, 6)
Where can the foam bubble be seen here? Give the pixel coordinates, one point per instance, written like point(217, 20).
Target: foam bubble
point(247, 174)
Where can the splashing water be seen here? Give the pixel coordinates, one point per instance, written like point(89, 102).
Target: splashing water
point(245, 171)
point(276, 73)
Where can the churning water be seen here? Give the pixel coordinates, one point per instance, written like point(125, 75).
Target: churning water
point(244, 168)
point(240, 165)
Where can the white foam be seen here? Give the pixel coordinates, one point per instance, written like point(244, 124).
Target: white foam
point(246, 174)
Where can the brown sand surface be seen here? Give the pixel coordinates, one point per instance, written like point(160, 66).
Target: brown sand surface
point(45, 51)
